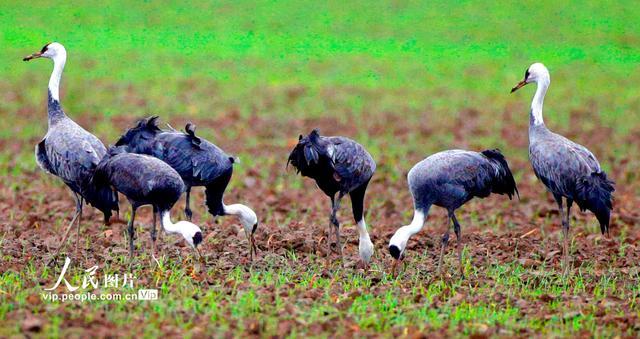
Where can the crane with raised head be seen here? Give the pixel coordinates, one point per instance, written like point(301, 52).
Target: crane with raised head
point(68, 151)
point(568, 170)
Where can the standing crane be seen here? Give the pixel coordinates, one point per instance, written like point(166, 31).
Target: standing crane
point(338, 165)
point(567, 169)
point(145, 180)
point(450, 179)
point(68, 151)
point(199, 163)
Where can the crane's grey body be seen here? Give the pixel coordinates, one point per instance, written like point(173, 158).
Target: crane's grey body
point(558, 162)
point(68, 151)
point(451, 178)
point(337, 164)
point(143, 179)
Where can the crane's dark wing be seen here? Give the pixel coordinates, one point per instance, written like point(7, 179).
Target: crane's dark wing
point(472, 171)
point(42, 159)
point(72, 158)
point(196, 160)
point(559, 163)
point(176, 151)
point(352, 164)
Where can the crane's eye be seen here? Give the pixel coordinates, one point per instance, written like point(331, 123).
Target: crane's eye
point(44, 49)
point(526, 74)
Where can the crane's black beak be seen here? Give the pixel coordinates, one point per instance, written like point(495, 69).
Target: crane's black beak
point(394, 268)
point(32, 56)
point(200, 256)
point(518, 86)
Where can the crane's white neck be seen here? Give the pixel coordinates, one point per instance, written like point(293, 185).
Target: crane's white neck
point(59, 60)
point(191, 233)
point(169, 226)
point(538, 100)
point(403, 234)
point(246, 215)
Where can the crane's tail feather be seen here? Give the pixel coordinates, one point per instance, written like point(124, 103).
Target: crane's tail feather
point(307, 152)
point(504, 183)
point(594, 194)
point(214, 192)
point(144, 131)
point(102, 197)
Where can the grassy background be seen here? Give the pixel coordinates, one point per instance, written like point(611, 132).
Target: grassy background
point(422, 65)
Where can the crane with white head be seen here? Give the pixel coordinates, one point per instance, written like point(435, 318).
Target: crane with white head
point(146, 180)
point(338, 165)
point(568, 170)
point(68, 151)
point(450, 179)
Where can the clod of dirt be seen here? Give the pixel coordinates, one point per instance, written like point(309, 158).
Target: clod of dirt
point(32, 324)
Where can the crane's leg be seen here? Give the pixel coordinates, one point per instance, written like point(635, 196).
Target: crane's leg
point(66, 232)
point(131, 230)
point(456, 229)
point(330, 230)
point(565, 231)
point(565, 234)
point(445, 242)
point(115, 192)
point(154, 236)
point(187, 211)
point(78, 225)
point(336, 207)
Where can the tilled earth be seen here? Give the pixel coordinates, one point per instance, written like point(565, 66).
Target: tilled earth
point(520, 235)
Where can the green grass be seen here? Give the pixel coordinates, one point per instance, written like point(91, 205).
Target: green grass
point(386, 66)
point(229, 304)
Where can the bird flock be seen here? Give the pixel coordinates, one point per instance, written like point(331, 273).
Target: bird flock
point(153, 166)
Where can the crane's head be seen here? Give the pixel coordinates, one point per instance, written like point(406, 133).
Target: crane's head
point(397, 246)
point(535, 73)
point(191, 233)
point(249, 221)
point(51, 50)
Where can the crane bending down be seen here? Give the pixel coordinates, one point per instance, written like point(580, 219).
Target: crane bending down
point(449, 179)
point(68, 151)
point(567, 169)
point(198, 162)
point(145, 180)
point(338, 165)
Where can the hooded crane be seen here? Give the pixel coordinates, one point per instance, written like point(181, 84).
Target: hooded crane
point(450, 179)
point(199, 163)
point(68, 151)
point(338, 165)
point(567, 169)
point(145, 180)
